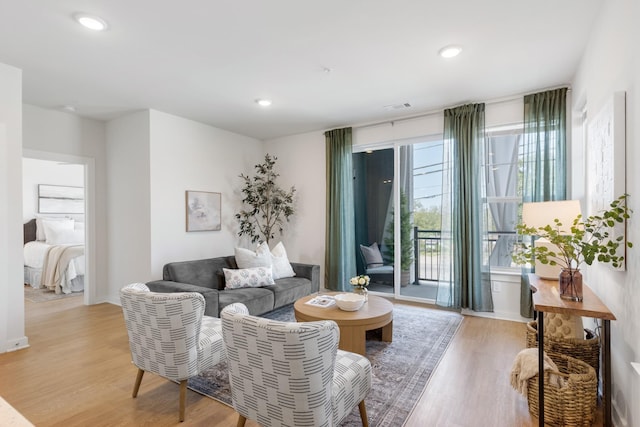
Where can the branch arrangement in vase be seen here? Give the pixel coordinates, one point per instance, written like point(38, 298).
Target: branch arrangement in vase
point(588, 240)
point(267, 204)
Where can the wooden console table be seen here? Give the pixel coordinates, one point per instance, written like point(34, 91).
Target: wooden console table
point(546, 299)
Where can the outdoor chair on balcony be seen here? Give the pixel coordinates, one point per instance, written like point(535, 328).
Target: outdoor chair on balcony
point(375, 267)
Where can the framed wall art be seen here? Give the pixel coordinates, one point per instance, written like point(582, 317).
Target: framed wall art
point(606, 155)
point(203, 211)
point(60, 199)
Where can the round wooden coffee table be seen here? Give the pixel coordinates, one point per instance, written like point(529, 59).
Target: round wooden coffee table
point(377, 313)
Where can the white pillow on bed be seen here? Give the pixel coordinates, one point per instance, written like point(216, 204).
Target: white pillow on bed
point(64, 237)
point(61, 232)
point(40, 230)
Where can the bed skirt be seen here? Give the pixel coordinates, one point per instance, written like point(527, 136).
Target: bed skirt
point(33, 278)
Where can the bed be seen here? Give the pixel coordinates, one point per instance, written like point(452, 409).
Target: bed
point(54, 254)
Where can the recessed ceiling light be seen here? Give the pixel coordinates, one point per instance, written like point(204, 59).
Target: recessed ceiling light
point(91, 22)
point(263, 102)
point(450, 51)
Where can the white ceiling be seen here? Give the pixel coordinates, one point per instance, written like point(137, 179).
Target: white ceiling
point(208, 60)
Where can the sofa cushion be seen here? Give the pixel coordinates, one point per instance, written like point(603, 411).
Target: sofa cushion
point(257, 300)
point(256, 277)
point(289, 290)
point(202, 272)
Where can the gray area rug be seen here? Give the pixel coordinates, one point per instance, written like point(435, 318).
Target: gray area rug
point(401, 369)
point(44, 294)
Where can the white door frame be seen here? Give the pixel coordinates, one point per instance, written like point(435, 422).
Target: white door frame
point(89, 209)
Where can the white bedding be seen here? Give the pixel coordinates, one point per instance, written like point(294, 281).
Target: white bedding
point(34, 254)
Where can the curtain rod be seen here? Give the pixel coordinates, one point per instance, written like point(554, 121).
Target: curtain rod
point(432, 112)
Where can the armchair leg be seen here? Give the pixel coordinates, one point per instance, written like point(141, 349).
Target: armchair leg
point(241, 421)
point(136, 386)
point(363, 414)
point(183, 398)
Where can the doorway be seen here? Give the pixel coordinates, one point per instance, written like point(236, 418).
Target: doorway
point(53, 171)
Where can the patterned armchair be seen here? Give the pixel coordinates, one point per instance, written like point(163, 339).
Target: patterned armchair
point(169, 335)
point(291, 374)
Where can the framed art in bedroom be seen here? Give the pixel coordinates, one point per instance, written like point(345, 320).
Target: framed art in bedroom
point(203, 211)
point(60, 199)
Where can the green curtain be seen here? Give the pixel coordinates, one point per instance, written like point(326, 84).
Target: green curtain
point(469, 281)
point(544, 160)
point(339, 259)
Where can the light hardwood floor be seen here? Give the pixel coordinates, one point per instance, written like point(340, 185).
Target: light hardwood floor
point(78, 372)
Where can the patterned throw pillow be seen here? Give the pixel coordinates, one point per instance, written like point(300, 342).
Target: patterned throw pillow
point(255, 277)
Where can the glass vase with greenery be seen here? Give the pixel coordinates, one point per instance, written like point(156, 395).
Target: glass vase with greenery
point(588, 239)
point(268, 206)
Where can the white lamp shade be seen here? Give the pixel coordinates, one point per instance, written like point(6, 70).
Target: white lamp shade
point(547, 271)
point(540, 214)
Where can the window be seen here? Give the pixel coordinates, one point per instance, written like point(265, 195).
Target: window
point(503, 171)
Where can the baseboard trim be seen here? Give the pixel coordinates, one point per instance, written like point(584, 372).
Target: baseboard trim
point(17, 344)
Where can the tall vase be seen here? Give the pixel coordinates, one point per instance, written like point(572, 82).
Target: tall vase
point(571, 284)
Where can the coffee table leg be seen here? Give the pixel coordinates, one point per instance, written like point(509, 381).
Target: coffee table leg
point(387, 332)
point(353, 340)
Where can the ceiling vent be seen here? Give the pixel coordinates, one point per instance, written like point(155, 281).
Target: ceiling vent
point(393, 107)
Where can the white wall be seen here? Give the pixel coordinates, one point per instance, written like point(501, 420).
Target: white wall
point(63, 137)
point(12, 335)
point(128, 214)
point(187, 155)
point(301, 163)
point(612, 63)
point(36, 171)
point(153, 159)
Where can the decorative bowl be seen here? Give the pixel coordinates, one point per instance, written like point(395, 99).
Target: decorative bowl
point(349, 302)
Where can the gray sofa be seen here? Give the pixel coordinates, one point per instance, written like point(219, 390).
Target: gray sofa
point(205, 276)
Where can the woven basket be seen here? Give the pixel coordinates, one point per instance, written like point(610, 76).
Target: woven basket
point(587, 350)
point(573, 404)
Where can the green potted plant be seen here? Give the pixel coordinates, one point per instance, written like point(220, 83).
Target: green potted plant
point(268, 205)
point(588, 239)
point(406, 241)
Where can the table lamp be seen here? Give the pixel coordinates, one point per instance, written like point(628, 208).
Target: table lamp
point(541, 214)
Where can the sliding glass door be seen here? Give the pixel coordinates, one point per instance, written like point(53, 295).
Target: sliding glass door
point(398, 208)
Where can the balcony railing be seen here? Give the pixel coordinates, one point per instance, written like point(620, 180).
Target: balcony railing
point(427, 249)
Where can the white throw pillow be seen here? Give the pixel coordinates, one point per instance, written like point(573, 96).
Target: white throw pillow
point(279, 260)
point(51, 227)
point(64, 237)
point(40, 231)
point(246, 258)
point(248, 277)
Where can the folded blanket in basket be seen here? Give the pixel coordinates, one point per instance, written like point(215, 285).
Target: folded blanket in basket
point(525, 366)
